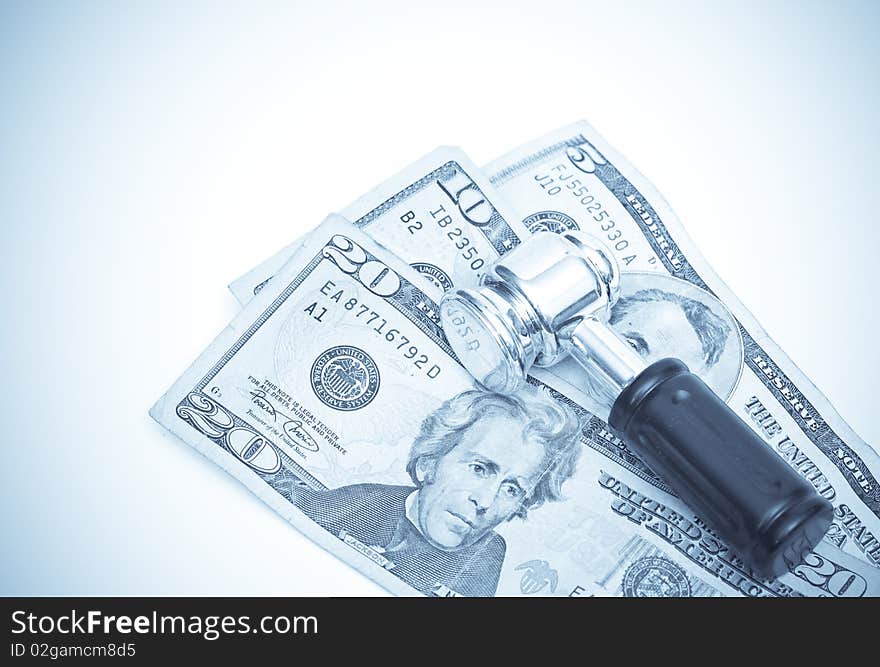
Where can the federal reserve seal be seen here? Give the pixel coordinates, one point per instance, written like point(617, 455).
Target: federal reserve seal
point(345, 378)
point(434, 274)
point(550, 221)
point(655, 577)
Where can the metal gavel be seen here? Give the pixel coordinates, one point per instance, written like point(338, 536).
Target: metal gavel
point(550, 297)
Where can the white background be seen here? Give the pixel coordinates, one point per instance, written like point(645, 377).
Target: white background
point(148, 156)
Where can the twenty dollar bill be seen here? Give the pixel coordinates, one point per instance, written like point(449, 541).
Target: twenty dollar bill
point(335, 398)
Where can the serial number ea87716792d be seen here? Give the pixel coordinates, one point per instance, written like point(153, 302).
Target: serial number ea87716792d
point(374, 320)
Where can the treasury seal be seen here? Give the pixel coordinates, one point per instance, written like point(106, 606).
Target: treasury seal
point(655, 577)
point(434, 274)
point(345, 378)
point(550, 221)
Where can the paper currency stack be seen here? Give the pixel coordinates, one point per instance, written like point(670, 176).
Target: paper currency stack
point(335, 398)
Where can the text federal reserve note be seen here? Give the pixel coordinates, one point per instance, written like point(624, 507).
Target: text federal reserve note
point(334, 397)
point(441, 215)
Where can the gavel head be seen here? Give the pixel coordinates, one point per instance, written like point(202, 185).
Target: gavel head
point(527, 305)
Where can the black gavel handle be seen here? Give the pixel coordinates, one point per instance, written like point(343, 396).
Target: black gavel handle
point(720, 467)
